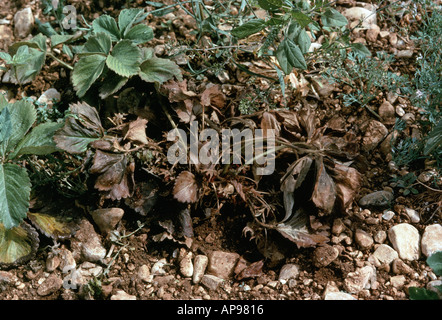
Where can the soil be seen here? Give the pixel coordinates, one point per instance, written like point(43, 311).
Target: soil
point(226, 230)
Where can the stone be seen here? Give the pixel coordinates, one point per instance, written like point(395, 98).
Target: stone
point(50, 285)
point(404, 54)
point(23, 23)
point(7, 277)
point(405, 240)
point(49, 96)
point(363, 239)
point(398, 281)
point(387, 112)
point(372, 34)
point(186, 265)
point(400, 110)
point(199, 267)
point(338, 226)
point(361, 279)
point(388, 215)
point(413, 215)
point(107, 218)
point(52, 262)
point(144, 274)
point(287, 272)
point(158, 267)
point(6, 37)
point(432, 239)
point(86, 243)
point(222, 264)
point(67, 261)
point(323, 256)
point(122, 295)
point(385, 254)
point(374, 134)
point(339, 296)
point(380, 236)
point(377, 199)
point(358, 13)
point(211, 282)
point(400, 267)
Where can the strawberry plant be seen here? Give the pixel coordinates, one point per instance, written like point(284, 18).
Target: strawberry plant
point(18, 138)
point(111, 55)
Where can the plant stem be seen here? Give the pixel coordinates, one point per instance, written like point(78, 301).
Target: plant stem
point(64, 64)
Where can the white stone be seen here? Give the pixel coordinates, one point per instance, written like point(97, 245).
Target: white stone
point(357, 13)
point(361, 279)
point(199, 267)
point(385, 254)
point(398, 281)
point(144, 274)
point(186, 265)
point(158, 267)
point(338, 296)
point(405, 240)
point(288, 271)
point(413, 215)
point(107, 218)
point(388, 215)
point(211, 282)
point(121, 295)
point(432, 239)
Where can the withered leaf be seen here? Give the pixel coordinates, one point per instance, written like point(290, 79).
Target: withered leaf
point(82, 127)
point(348, 182)
point(324, 192)
point(252, 271)
point(185, 189)
point(125, 188)
point(301, 236)
point(213, 96)
point(269, 122)
point(54, 226)
point(135, 131)
point(177, 91)
point(144, 197)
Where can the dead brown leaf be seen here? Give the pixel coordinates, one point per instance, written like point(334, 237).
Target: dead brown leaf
point(213, 96)
point(186, 189)
point(135, 131)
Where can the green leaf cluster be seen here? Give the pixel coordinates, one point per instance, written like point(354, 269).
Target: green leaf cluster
point(17, 137)
point(111, 56)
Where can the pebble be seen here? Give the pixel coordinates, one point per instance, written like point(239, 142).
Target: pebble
point(86, 243)
point(338, 226)
point(144, 274)
point(363, 239)
point(398, 281)
point(385, 254)
point(372, 33)
point(121, 295)
point(288, 271)
point(339, 296)
point(52, 262)
point(222, 264)
point(380, 236)
point(413, 215)
point(400, 111)
point(361, 279)
point(323, 256)
point(158, 267)
point(67, 261)
point(49, 96)
point(404, 54)
point(186, 265)
point(358, 13)
point(199, 267)
point(379, 199)
point(107, 218)
point(23, 23)
point(50, 285)
point(211, 282)
point(432, 239)
point(7, 277)
point(374, 134)
point(388, 215)
point(405, 240)
point(387, 112)
point(400, 267)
